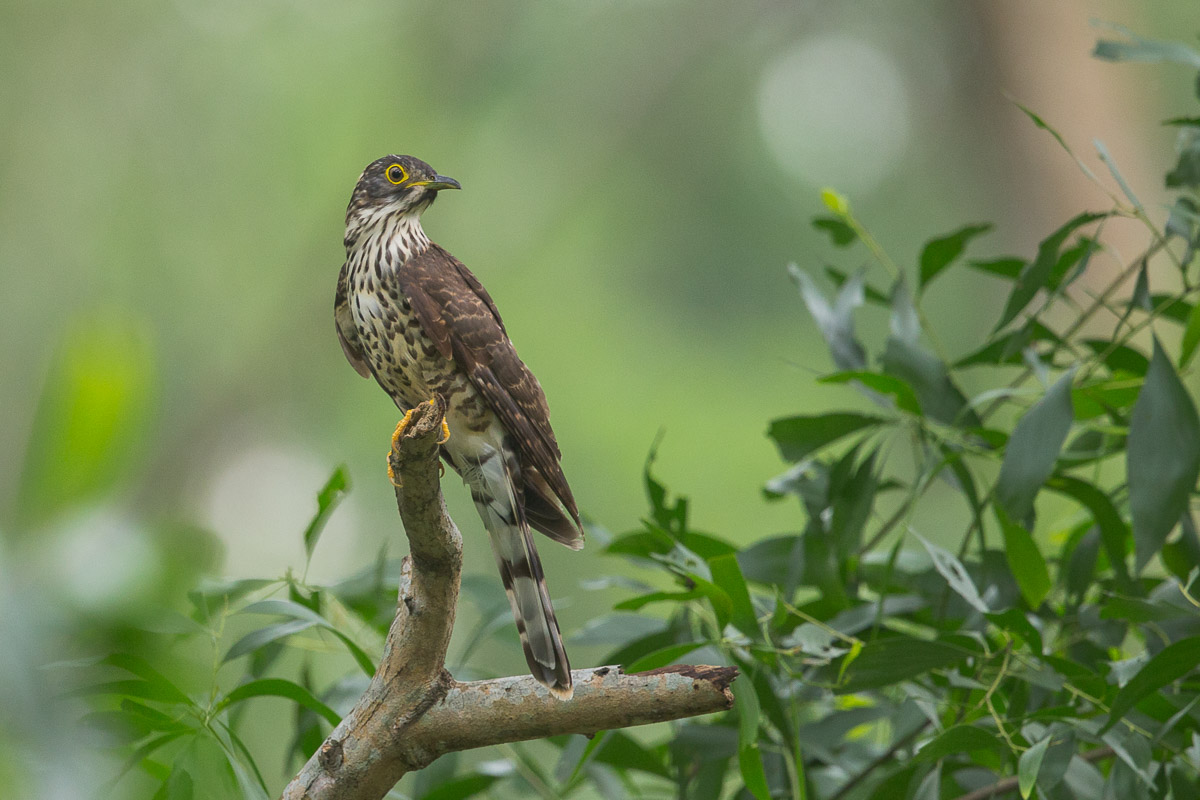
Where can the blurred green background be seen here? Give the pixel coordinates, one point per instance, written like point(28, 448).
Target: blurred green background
point(636, 177)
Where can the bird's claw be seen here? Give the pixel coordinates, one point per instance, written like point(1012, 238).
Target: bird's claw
point(401, 427)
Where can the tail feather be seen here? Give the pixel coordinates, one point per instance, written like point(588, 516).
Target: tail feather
point(521, 572)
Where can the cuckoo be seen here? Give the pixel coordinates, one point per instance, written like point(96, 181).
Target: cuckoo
point(416, 319)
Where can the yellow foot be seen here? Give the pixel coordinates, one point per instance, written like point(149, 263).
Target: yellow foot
point(400, 429)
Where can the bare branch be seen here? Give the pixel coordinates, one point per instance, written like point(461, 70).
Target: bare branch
point(413, 711)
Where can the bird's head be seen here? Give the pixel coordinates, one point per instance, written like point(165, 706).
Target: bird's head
point(399, 184)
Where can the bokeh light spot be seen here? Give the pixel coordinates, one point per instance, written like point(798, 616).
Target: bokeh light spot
point(835, 111)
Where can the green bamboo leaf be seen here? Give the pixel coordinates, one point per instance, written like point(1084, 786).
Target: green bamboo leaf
point(955, 574)
point(841, 234)
point(1033, 448)
point(264, 636)
point(1163, 455)
point(836, 321)
point(1114, 532)
point(143, 690)
point(1008, 267)
point(462, 787)
point(664, 657)
point(839, 278)
point(1111, 163)
point(889, 385)
point(1029, 765)
point(141, 667)
point(328, 498)
point(728, 575)
point(960, 739)
point(886, 662)
point(92, 416)
point(940, 253)
point(277, 687)
point(1173, 662)
point(798, 437)
point(1036, 275)
point(1138, 48)
point(939, 398)
point(1191, 337)
point(1025, 560)
point(749, 758)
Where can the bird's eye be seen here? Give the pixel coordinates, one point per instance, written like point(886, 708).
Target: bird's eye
point(396, 174)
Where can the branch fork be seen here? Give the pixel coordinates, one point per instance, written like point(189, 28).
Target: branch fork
point(413, 710)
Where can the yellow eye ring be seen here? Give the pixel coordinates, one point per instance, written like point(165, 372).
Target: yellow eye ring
point(396, 174)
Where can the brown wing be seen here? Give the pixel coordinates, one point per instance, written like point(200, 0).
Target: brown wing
point(459, 315)
point(347, 335)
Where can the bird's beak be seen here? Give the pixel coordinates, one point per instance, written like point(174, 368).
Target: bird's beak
point(438, 183)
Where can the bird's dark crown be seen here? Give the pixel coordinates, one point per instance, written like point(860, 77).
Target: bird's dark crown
point(404, 181)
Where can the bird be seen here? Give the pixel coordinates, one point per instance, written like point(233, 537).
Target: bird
point(412, 316)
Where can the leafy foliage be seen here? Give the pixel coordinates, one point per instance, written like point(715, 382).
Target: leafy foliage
point(882, 655)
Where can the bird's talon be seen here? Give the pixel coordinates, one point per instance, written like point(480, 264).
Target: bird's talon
point(441, 470)
point(401, 427)
point(445, 433)
point(399, 484)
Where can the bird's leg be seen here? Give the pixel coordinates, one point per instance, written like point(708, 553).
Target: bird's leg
point(401, 427)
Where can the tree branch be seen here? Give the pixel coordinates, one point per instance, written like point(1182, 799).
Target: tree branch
point(414, 711)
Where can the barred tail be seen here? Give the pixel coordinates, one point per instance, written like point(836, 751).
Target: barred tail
point(521, 572)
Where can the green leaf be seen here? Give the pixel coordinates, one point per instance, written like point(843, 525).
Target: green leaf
point(1121, 358)
point(92, 416)
point(749, 758)
point(797, 437)
point(1114, 533)
point(141, 667)
point(955, 574)
point(775, 561)
point(462, 787)
point(841, 234)
point(1148, 50)
point(940, 253)
point(905, 323)
point(300, 614)
point(328, 498)
point(143, 690)
point(1025, 560)
point(624, 752)
point(960, 739)
point(1163, 455)
point(1171, 663)
point(939, 398)
point(661, 658)
point(264, 636)
point(728, 575)
point(1187, 170)
point(872, 295)
point(836, 322)
point(1029, 765)
point(930, 787)
point(1008, 267)
point(641, 601)
point(277, 687)
point(899, 391)
point(1033, 449)
point(1036, 275)
point(1111, 163)
point(1191, 337)
point(886, 662)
